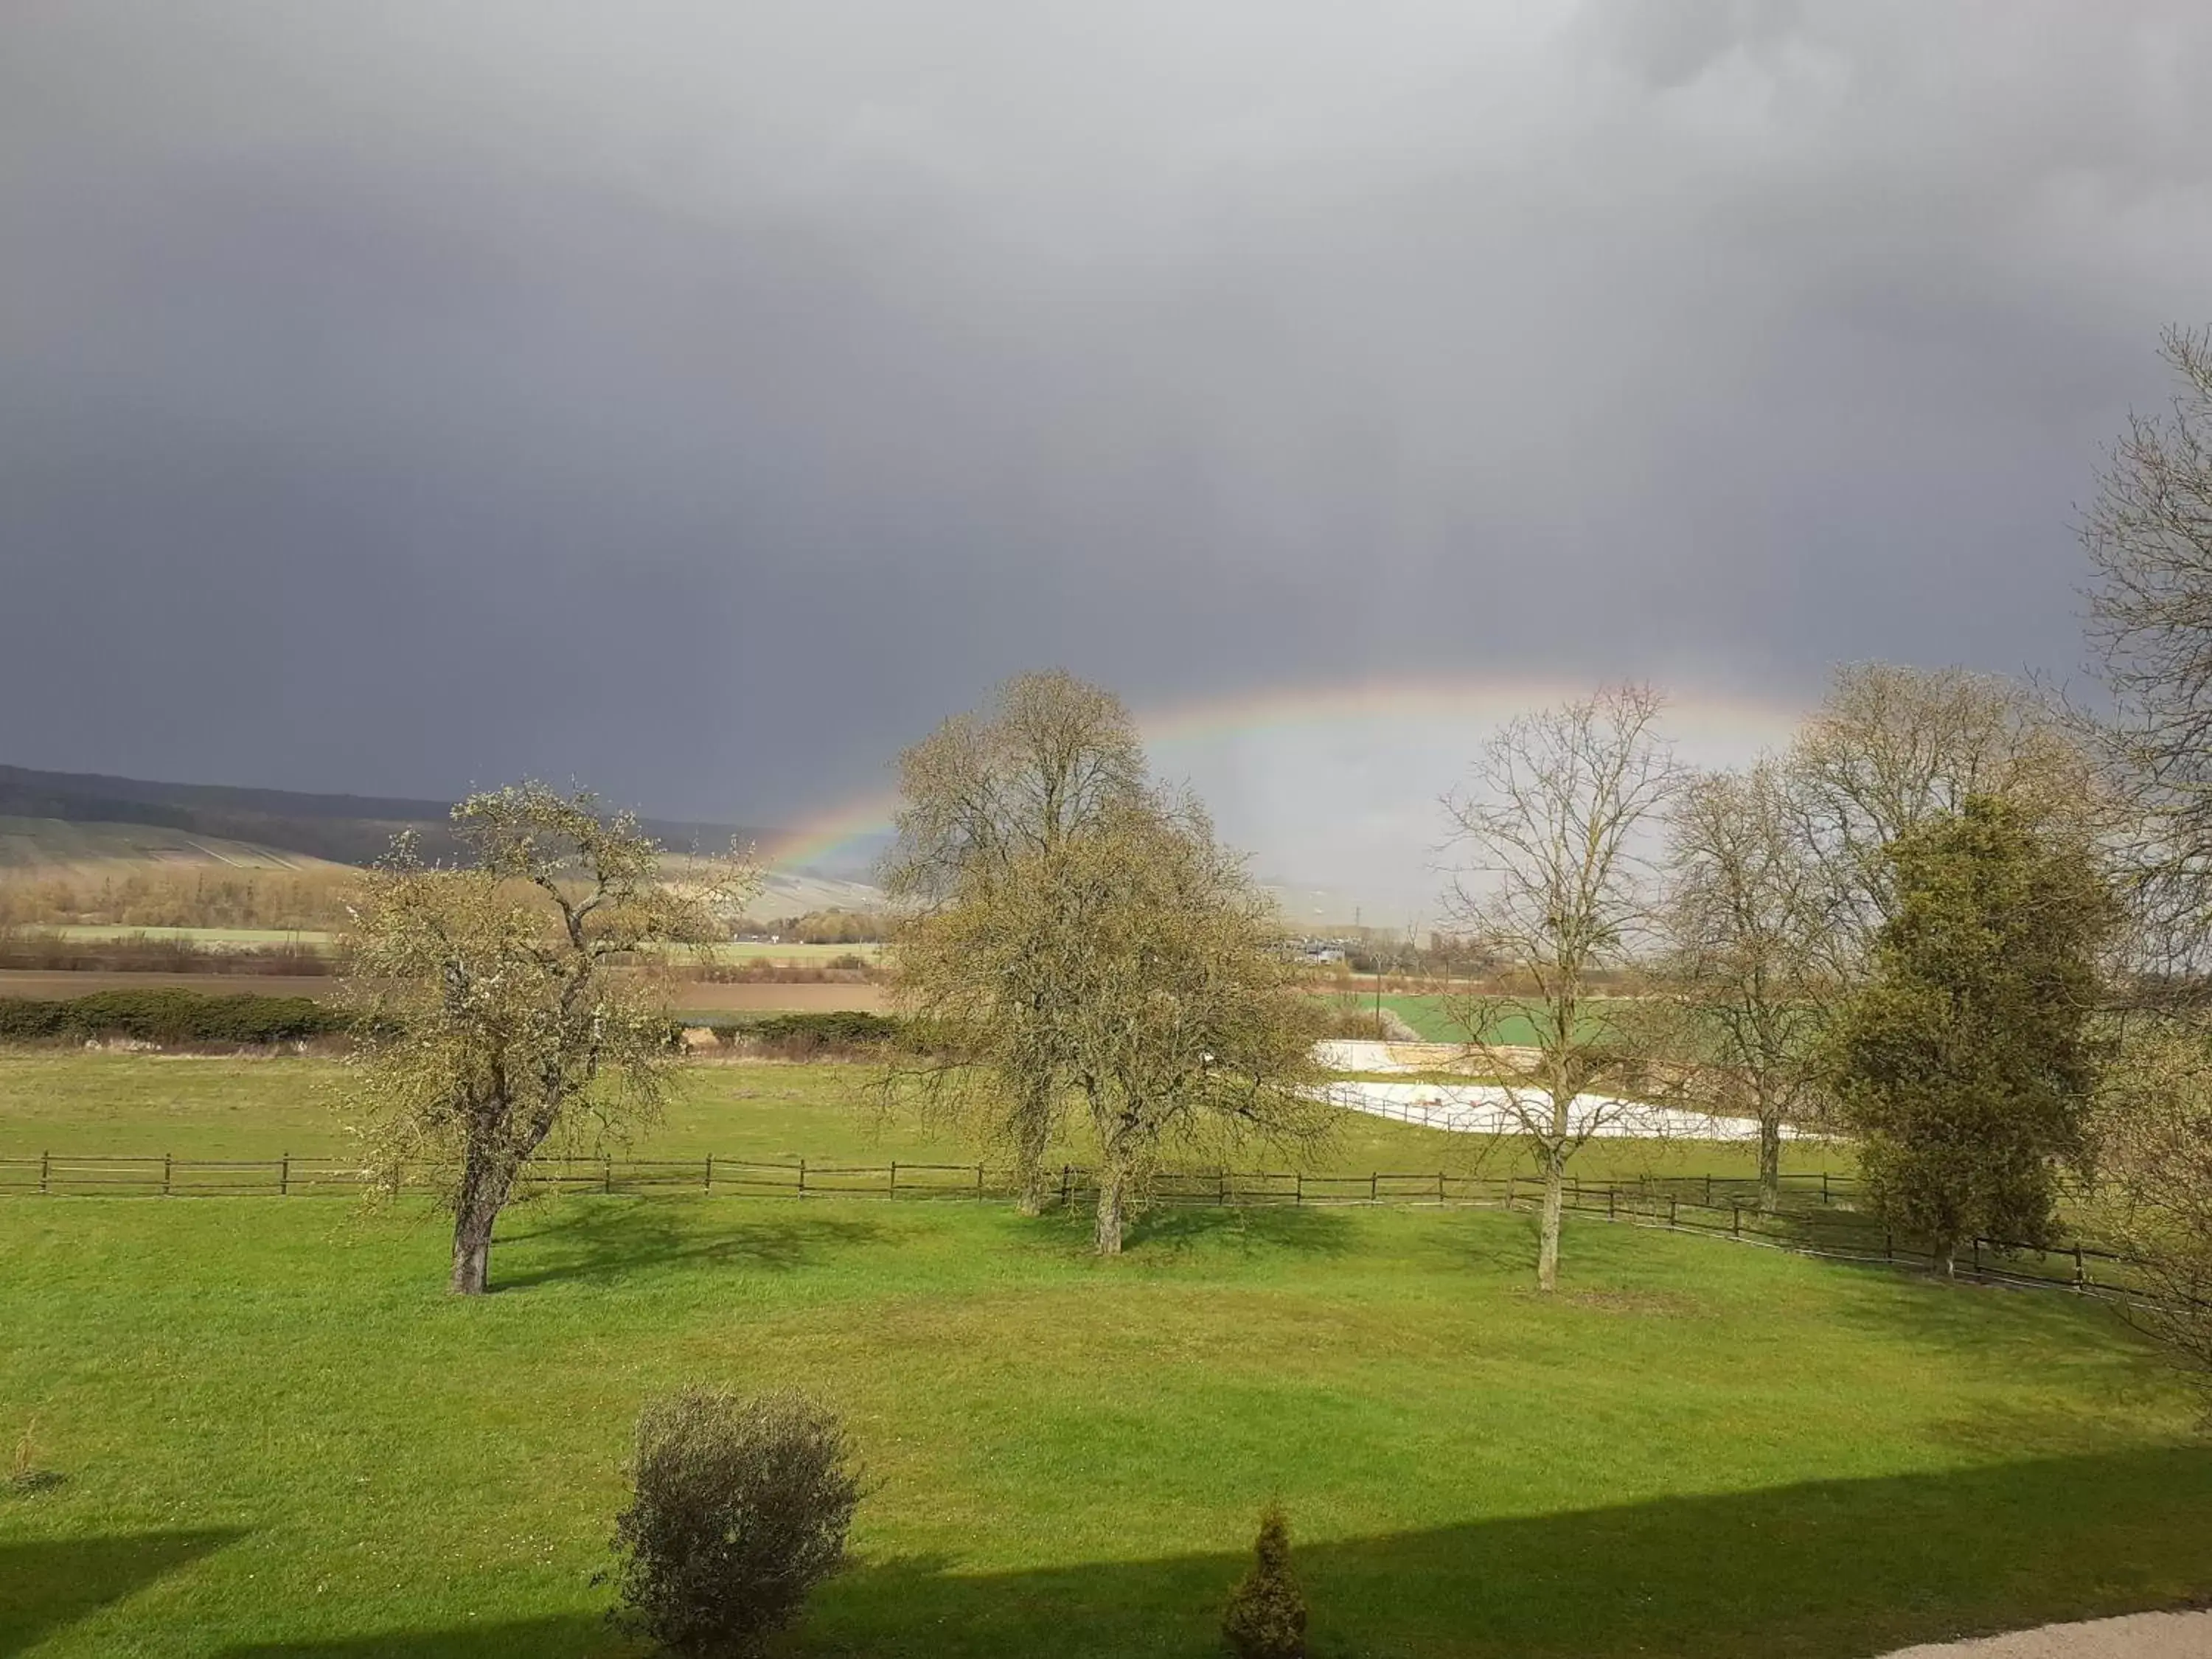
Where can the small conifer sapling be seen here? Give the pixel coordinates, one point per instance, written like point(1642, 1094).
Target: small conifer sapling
point(1265, 1618)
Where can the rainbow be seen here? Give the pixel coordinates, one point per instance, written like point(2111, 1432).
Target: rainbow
point(1705, 724)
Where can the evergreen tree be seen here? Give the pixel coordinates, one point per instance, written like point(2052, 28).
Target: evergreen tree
point(1965, 1061)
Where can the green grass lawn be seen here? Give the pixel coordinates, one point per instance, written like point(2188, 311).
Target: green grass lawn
point(83, 1105)
point(280, 1436)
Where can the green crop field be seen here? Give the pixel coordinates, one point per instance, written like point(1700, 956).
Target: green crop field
point(1428, 1016)
point(278, 1434)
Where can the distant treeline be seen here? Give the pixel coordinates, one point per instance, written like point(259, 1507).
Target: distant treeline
point(195, 897)
point(829, 928)
point(35, 951)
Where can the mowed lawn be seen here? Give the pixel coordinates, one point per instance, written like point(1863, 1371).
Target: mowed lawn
point(281, 1437)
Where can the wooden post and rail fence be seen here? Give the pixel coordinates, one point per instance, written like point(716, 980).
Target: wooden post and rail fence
point(1816, 1216)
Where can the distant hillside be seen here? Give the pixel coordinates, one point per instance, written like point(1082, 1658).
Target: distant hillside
point(340, 828)
point(100, 827)
point(56, 845)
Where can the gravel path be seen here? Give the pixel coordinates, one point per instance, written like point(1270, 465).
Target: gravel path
point(2138, 1636)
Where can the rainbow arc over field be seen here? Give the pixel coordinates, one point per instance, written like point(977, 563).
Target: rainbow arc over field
point(1726, 724)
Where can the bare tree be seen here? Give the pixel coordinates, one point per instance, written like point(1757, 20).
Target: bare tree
point(1892, 747)
point(1136, 973)
point(1557, 827)
point(2149, 542)
point(494, 1015)
point(2151, 1134)
point(1043, 765)
point(1044, 761)
point(1182, 1019)
point(1744, 923)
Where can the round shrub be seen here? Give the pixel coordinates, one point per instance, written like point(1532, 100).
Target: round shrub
point(1265, 1618)
point(740, 1507)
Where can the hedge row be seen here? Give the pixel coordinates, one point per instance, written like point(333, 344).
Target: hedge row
point(174, 1015)
point(169, 1015)
point(840, 1031)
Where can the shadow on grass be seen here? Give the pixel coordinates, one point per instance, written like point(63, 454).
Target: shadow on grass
point(1830, 1570)
point(577, 1635)
point(2008, 1328)
point(1260, 1227)
point(48, 1585)
point(1834, 1570)
point(613, 1238)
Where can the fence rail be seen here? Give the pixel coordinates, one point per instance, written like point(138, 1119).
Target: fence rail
point(1817, 1215)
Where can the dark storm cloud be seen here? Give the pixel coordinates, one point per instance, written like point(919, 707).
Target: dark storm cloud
point(700, 400)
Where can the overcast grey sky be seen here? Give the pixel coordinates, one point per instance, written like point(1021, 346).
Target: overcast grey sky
point(699, 399)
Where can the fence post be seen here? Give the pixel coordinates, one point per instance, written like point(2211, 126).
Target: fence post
point(1978, 1258)
point(710, 1172)
point(284, 1175)
point(1824, 1186)
point(1299, 1192)
point(1709, 1191)
point(979, 1183)
point(1736, 1219)
point(2081, 1278)
point(1440, 1190)
point(1608, 1202)
point(1224, 1186)
point(1373, 1176)
point(1067, 1185)
point(166, 1159)
point(45, 1162)
point(1888, 1245)
point(802, 1177)
point(1670, 1209)
point(608, 1184)
point(894, 1177)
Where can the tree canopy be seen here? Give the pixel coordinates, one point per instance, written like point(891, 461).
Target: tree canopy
point(491, 1013)
point(986, 802)
point(1965, 1061)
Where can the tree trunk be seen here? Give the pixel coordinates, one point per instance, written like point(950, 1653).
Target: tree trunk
point(1032, 1134)
point(1547, 1229)
point(1770, 1163)
point(1113, 1191)
point(483, 1193)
